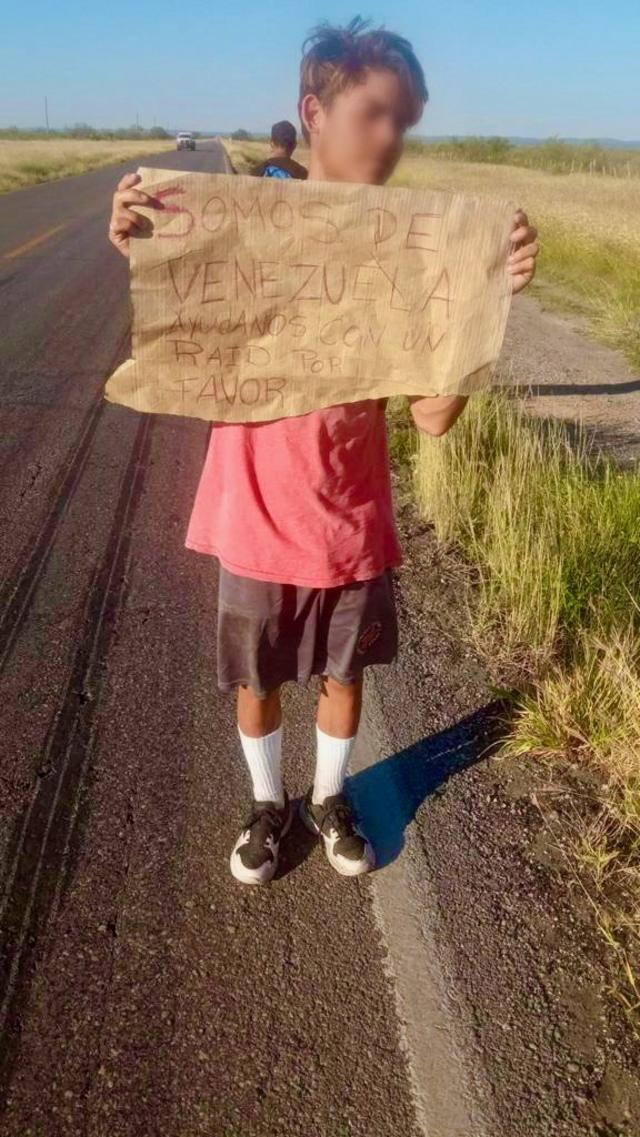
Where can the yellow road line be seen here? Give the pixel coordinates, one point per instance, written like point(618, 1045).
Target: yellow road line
point(33, 242)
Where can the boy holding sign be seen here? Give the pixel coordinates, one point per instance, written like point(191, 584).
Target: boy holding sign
point(299, 509)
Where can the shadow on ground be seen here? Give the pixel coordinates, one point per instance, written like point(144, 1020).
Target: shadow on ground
point(388, 794)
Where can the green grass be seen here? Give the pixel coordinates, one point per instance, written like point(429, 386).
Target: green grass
point(553, 533)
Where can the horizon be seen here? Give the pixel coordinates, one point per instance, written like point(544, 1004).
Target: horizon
point(259, 135)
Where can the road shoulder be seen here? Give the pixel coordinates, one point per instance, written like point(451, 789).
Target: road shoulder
point(503, 985)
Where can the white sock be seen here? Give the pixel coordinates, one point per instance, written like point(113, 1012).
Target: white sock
point(331, 764)
point(263, 757)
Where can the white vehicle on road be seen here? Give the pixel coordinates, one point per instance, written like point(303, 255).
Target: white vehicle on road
point(185, 140)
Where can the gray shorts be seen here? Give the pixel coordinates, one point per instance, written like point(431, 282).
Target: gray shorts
point(270, 633)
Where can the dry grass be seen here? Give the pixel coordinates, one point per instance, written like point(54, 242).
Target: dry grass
point(26, 162)
point(246, 154)
point(589, 713)
point(603, 207)
point(589, 231)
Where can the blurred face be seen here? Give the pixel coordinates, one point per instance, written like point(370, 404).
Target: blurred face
point(360, 136)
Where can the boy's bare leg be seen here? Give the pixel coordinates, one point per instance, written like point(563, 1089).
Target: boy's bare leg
point(258, 716)
point(339, 706)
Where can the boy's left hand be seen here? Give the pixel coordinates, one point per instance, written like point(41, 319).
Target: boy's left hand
point(521, 264)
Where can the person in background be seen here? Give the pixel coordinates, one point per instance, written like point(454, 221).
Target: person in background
point(280, 164)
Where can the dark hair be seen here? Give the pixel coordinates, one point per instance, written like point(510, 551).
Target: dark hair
point(334, 59)
point(284, 134)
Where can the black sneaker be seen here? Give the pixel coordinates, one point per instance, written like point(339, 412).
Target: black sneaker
point(254, 857)
point(346, 846)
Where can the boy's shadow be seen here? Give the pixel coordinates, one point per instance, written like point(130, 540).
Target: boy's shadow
point(388, 794)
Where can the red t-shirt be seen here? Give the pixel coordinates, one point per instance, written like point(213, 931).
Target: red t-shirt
point(299, 500)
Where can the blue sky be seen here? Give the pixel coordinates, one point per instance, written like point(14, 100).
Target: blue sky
point(566, 67)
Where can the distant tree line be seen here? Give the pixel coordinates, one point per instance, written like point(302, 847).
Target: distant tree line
point(552, 154)
point(85, 130)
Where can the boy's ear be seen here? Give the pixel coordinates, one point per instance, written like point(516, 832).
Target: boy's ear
point(311, 113)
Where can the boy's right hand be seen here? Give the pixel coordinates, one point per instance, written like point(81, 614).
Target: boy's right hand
point(124, 221)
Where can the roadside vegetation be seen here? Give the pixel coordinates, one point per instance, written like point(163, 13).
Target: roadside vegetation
point(589, 224)
point(245, 153)
point(29, 157)
point(547, 534)
point(551, 154)
point(548, 530)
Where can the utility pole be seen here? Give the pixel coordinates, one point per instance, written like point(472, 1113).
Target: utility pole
point(46, 113)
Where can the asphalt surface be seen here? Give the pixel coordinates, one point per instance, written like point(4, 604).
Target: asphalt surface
point(143, 990)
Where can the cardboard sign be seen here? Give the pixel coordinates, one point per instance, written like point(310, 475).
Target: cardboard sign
point(258, 298)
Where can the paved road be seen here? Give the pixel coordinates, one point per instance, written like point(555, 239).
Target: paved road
point(143, 990)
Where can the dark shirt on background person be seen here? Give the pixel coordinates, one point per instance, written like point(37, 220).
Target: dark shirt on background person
point(280, 164)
